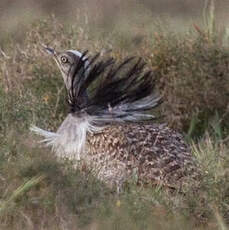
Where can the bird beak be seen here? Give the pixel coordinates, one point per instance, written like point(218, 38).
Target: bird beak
point(49, 50)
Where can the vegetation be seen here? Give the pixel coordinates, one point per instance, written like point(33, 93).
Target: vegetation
point(37, 191)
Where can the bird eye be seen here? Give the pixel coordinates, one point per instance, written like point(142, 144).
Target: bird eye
point(64, 59)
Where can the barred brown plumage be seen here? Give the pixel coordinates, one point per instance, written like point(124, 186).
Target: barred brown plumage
point(155, 153)
point(105, 127)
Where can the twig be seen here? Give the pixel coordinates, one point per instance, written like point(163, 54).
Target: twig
point(59, 90)
point(4, 54)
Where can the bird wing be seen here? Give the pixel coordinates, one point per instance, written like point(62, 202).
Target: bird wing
point(116, 92)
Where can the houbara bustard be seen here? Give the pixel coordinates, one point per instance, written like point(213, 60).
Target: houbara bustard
point(105, 126)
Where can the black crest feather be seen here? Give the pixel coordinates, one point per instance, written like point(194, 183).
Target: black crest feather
point(115, 91)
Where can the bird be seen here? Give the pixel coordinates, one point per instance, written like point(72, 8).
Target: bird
point(110, 125)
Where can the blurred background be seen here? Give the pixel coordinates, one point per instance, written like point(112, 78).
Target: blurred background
point(184, 42)
point(175, 37)
point(15, 16)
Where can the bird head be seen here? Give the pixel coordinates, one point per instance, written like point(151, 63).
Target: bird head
point(67, 62)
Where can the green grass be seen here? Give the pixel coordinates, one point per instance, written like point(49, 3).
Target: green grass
point(36, 188)
point(37, 191)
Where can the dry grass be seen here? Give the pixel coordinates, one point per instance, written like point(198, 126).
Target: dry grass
point(39, 192)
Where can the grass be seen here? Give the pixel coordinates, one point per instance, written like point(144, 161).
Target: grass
point(37, 191)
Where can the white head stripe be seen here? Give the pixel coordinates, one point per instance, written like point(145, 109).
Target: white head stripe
point(77, 53)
